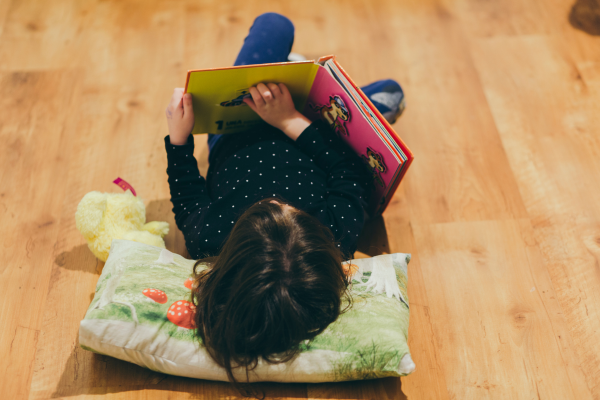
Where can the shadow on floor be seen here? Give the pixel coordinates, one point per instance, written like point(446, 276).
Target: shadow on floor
point(373, 240)
point(585, 16)
point(87, 373)
point(162, 210)
point(387, 388)
point(80, 258)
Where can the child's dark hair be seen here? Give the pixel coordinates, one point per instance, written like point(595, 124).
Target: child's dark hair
point(277, 282)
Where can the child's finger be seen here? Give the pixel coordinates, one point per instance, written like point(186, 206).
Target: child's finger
point(188, 110)
point(178, 109)
point(176, 98)
point(177, 94)
point(250, 104)
point(258, 100)
point(265, 92)
point(284, 90)
point(274, 89)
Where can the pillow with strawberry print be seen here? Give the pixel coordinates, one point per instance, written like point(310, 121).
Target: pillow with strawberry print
point(141, 313)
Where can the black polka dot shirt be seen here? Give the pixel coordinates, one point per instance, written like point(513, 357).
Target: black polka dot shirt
point(317, 173)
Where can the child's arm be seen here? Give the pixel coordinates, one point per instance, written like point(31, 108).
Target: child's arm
point(188, 188)
point(180, 117)
point(273, 103)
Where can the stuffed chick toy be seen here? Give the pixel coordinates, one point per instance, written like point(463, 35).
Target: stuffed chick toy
point(102, 217)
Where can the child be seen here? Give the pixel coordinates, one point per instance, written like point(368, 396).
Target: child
point(282, 206)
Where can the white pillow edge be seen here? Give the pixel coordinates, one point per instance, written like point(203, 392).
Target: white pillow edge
point(309, 367)
point(407, 365)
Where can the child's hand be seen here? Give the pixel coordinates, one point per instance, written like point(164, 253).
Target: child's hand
point(180, 117)
point(273, 103)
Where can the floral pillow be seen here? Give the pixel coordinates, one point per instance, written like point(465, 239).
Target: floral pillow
point(142, 313)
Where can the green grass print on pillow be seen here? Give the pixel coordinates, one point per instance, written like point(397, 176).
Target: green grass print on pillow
point(141, 313)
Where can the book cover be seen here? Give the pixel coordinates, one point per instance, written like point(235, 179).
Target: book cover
point(397, 141)
point(217, 94)
point(320, 89)
point(329, 101)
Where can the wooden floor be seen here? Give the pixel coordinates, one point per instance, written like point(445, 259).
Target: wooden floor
point(501, 208)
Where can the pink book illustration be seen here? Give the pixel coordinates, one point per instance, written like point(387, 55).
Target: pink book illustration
point(330, 100)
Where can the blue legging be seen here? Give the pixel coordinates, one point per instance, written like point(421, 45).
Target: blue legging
point(270, 40)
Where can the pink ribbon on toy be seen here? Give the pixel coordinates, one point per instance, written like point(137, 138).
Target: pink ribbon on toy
point(124, 185)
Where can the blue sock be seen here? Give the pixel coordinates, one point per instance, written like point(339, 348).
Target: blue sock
point(388, 97)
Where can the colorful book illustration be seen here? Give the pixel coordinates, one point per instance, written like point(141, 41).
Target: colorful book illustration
point(320, 89)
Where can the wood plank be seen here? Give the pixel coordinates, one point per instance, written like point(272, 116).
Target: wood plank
point(551, 132)
point(428, 381)
point(36, 131)
point(459, 173)
point(121, 128)
point(4, 9)
point(490, 295)
point(504, 18)
point(41, 35)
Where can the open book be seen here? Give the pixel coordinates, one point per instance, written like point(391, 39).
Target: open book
point(320, 89)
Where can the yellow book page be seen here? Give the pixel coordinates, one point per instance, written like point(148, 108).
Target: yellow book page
point(217, 94)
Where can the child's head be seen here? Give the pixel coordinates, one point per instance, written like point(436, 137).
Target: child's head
point(277, 282)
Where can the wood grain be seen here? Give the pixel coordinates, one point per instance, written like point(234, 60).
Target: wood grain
point(556, 149)
point(500, 209)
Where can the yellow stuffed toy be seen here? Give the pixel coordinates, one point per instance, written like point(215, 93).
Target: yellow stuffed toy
point(102, 217)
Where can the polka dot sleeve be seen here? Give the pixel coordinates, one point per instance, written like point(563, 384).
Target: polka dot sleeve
point(188, 188)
